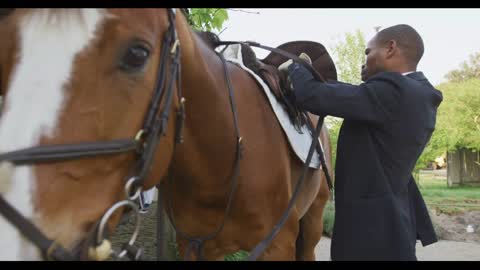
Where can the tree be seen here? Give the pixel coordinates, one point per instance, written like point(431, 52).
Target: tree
point(458, 130)
point(468, 70)
point(458, 120)
point(349, 55)
point(206, 19)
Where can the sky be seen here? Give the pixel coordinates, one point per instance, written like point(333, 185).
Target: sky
point(449, 35)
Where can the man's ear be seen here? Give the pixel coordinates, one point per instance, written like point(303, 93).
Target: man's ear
point(391, 48)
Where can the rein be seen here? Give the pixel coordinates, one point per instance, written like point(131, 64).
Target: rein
point(260, 248)
point(144, 145)
point(197, 242)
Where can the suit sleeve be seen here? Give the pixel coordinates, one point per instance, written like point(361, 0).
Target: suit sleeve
point(374, 101)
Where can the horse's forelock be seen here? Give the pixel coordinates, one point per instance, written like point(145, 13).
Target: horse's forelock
point(61, 16)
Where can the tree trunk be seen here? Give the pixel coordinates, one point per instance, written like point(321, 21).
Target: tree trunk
point(463, 167)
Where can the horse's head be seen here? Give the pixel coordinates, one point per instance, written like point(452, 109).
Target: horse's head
point(70, 77)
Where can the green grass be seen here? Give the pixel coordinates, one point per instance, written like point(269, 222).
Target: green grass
point(448, 200)
point(437, 196)
point(328, 218)
point(237, 256)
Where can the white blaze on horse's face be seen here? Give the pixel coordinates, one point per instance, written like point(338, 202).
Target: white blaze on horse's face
point(47, 47)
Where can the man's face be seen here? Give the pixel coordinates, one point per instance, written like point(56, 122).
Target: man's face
point(375, 59)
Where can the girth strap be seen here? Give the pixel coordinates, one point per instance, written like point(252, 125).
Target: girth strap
point(195, 245)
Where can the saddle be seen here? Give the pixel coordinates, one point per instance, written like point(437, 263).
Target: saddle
point(267, 69)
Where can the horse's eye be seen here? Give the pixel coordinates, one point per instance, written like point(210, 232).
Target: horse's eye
point(135, 58)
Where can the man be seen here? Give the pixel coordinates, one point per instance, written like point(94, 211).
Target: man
point(388, 120)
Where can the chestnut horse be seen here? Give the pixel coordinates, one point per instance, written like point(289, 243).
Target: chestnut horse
point(88, 75)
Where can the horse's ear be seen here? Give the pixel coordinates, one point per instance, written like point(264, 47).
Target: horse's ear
point(4, 12)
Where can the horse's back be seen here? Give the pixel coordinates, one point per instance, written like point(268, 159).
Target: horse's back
point(268, 147)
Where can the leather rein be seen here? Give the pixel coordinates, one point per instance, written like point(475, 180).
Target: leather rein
point(144, 145)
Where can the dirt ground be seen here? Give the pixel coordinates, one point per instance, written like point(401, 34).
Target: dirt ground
point(443, 250)
point(455, 243)
point(454, 228)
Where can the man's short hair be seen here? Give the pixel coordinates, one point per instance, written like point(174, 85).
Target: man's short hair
point(407, 38)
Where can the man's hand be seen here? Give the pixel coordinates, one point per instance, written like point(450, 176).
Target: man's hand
point(283, 68)
point(285, 65)
point(305, 58)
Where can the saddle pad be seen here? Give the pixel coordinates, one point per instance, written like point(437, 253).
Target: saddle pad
point(300, 143)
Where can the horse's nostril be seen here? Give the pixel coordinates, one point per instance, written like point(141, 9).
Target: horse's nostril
point(6, 172)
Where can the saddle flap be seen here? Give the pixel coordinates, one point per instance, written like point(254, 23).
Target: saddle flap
point(271, 76)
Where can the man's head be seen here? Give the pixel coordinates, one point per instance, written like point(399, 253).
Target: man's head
point(398, 49)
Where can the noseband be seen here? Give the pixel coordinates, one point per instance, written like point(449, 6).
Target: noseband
point(144, 145)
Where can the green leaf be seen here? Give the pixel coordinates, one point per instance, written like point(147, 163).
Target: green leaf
point(207, 18)
point(349, 55)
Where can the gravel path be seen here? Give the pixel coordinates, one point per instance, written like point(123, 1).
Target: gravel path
point(440, 251)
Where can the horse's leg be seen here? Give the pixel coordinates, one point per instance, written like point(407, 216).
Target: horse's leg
point(311, 226)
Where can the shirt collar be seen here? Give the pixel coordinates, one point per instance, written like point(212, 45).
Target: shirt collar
point(406, 73)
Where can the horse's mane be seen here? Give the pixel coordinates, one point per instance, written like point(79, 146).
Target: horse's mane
point(211, 39)
point(4, 12)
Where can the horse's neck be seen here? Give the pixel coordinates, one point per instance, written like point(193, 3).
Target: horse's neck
point(209, 131)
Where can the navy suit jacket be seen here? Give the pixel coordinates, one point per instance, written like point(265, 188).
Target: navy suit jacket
point(388, 120)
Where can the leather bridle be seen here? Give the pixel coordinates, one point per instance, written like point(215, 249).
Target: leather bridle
point(144, 145)
point(96, 246)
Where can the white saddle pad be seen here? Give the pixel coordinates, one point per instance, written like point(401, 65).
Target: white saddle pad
point(299, 142)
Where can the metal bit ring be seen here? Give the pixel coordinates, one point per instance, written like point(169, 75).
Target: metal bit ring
point(108, 214)
point(128, 186)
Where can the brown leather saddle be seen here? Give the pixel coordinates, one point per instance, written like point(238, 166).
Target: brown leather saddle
point(267, 69)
